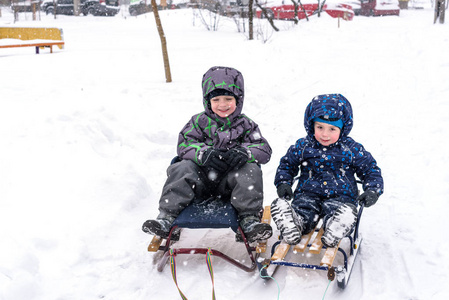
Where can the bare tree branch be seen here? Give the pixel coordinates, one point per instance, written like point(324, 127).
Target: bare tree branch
point(250, 19)
point(295, 18)
point(163, 41)
point(303, 9)
point(269, 17)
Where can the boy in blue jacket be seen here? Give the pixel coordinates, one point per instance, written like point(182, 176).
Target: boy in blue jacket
point(328, 160)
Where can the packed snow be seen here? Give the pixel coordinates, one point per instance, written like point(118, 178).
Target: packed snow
point(88, 132)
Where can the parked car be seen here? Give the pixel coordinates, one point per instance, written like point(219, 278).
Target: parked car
point(355, 4)
point(379, 7)
point(108, 8)
point(287, 11)
point(86, 7)
point(138, 7)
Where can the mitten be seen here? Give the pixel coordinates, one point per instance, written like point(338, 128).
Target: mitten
point(368, 198)
point(236, 158)
point(284, 191)
point(214, 159)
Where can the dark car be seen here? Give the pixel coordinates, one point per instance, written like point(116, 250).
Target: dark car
point(138, 7)
point(86, 7)
point(108, 8)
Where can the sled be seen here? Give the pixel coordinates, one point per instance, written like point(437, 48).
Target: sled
point(311, 242)
point(212, 213)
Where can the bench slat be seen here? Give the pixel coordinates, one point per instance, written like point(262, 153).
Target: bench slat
point(32, 45)
point(37, 45)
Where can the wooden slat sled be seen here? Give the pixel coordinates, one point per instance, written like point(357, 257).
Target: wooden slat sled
point(312, 244)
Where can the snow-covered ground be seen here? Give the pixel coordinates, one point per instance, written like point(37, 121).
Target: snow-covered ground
point(87, 133)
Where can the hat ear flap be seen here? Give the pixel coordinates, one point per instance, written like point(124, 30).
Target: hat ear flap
point(209, 107)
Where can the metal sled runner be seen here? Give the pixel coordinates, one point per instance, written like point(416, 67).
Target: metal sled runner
point(208, 214)
point(312, 242)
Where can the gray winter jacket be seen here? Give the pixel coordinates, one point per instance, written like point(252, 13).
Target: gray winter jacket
point(207, 130)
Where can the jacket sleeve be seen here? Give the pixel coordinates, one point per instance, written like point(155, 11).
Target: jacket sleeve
point(367, 169)
point(289, 165)
point(191, 141)
point(258, 146)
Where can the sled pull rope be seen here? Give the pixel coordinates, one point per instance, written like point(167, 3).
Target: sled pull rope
point(173, 273)
point(262, 276)
point(326, 289)
point(211, 270)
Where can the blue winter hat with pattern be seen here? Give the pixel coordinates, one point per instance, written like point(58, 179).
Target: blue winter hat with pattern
point(329, 107)
point(335, 122)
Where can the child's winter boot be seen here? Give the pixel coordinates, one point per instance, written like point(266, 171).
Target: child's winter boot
point(255, 230)
point(339, 225)
point(160, 226)
point(289, 223)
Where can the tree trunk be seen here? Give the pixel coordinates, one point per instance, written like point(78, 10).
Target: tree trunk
point(296, 11)
point(442, 10)
point(250, 19)
point(163, 41)
point(76, 6)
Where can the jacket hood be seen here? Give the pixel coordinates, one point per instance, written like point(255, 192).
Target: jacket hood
point(225, 78)
point(329, 106)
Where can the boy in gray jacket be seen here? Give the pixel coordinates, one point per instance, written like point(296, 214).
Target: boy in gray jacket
point(220, 150)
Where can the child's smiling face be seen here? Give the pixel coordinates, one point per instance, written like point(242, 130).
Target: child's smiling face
point(326, 134)
point(223, 106)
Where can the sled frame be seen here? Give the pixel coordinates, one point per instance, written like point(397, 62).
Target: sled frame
point(194, 250)
point(167, 248)
point(342, 272)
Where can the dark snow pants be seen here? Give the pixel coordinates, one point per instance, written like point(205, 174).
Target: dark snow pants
point(187, 181)
point(312, 209)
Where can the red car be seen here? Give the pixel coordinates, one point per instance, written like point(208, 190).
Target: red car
point(287, 12)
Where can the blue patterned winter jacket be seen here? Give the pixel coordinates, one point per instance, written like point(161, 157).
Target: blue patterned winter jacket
point(329, 171)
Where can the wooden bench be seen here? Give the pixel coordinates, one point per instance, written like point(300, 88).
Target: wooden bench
point(12, 37)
